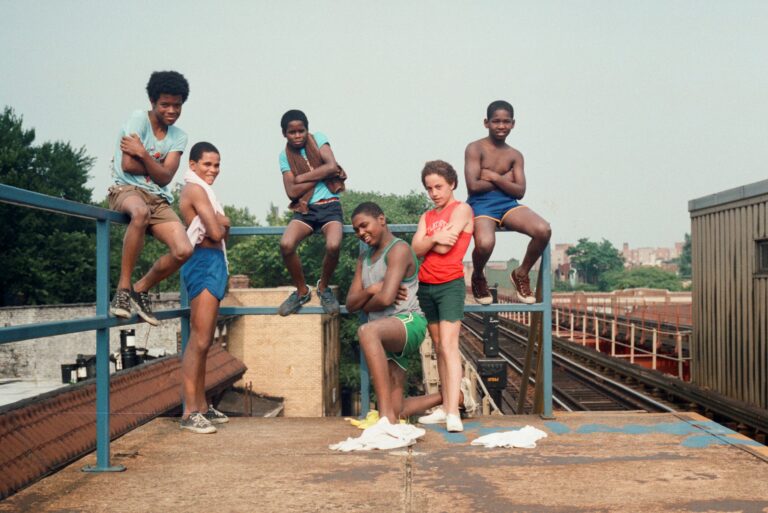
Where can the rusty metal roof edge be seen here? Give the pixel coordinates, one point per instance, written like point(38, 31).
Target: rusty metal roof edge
point(729, 196)
point(65, 388)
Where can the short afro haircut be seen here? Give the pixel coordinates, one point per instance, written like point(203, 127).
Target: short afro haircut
point(368, 208)
point(440, 168)
point(196, 153)
point(167, 82)
point(293, 115)
point(499, 105)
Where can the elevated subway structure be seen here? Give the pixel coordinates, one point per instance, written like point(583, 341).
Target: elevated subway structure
point(284, 464)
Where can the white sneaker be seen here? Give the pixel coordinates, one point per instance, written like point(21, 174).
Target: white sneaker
point(436, 417)
point(453, 423)
point(470, 403)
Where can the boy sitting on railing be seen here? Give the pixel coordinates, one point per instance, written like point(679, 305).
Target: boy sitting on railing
point(205, 278)
point(148, 152)
point(496, 181)
point(312, 180)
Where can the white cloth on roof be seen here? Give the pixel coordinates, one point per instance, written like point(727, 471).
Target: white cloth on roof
point(524, 438)
point(382, 436)
point(196, 230)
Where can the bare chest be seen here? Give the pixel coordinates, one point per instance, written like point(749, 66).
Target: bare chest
point(500, 162)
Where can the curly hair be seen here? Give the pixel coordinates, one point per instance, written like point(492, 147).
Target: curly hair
point(167, 82)
point(293, 115)
point(499, 105)
point(440, 168)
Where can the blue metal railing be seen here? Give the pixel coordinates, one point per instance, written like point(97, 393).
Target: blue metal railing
point(102, 322)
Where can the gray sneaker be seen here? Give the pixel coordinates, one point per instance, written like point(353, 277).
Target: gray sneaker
point(214, 416)
point(140, 301)
point(197, 423)
point(327, 300)
point(121, 304)
point(294, 302)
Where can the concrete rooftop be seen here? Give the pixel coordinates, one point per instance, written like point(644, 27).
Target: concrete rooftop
point(589, 462)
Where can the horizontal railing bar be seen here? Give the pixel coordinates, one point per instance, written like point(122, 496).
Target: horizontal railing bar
point(49, 329)
point(25, 198)
point(272, 310)
point(278, 230)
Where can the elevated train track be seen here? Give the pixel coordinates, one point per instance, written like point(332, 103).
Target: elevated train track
point(575, 387)
point(585, 379)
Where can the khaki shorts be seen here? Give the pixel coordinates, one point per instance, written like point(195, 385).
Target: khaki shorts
point(160, 211)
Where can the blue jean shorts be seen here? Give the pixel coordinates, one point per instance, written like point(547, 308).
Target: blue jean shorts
point(492, 205)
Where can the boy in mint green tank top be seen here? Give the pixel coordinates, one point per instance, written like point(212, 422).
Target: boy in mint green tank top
point(384, 287)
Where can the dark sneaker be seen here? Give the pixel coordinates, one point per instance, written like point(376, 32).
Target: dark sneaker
point(121, 304)
point(294, 302)
point(197, 423)
point(214, 416)
point(140, 301)
point(480, 290)
point(523, 288)
point(328, 301)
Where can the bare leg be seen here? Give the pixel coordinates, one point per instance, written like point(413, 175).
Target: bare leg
point(434, 334)
point(420, 404)
point(525, 220)
point(204, 310)
point(376, 337)
point(133, 241)
point(449, 353)
point(293, 235)
point(173, 235)
point(333, 234)
point(485, 240)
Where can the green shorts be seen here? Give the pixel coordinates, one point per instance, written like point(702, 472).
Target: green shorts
point(444, 301)
point(415, 331)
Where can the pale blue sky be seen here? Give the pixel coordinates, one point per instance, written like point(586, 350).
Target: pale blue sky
point(625, 110)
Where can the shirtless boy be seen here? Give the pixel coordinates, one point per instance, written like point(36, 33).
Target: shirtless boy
point(496, 182)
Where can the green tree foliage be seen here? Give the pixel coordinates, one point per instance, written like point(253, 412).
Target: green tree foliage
point(46, 258)
point(684, 263)
point(592, 259)
point(640, 277)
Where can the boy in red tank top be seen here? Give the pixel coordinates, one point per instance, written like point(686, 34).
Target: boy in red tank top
point(441, 239)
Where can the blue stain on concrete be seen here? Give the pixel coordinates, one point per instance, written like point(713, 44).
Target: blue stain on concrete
point(697, 434)
point(703, 441)
point(668, 428)
point(557, 428)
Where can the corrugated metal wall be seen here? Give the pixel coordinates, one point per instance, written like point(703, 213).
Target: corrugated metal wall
point(729, 347)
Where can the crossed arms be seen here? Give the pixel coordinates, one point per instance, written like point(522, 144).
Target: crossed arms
point(480, 179)
point(297, 185)
point(384, 293)
point(137, 161)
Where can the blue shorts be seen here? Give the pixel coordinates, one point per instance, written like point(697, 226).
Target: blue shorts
point(206, 269)
point(493, 205)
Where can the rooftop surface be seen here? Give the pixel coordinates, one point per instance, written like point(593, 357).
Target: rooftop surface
point(589, 462)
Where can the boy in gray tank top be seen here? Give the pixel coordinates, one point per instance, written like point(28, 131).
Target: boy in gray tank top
point(384, 287)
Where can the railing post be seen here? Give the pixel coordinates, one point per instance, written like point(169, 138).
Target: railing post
point(613, 337)
point(584, 329)
point(546, 322)
point(571, 323)
point(679, 349)
point(655, 338)
point(102, 354)
point(557, 322)
point(631, 342)
point(597, 334)
point(184, 303)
